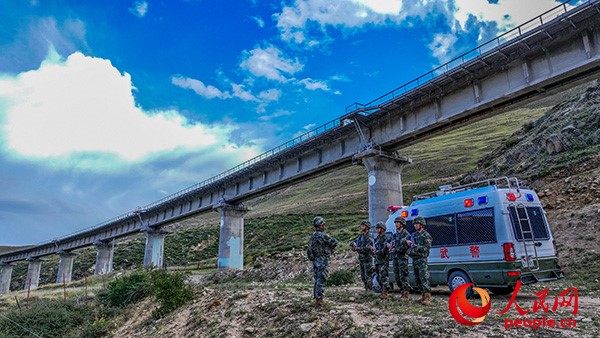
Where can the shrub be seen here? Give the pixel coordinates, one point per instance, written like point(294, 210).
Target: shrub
point(340, 277)
point(45, 318)
point(127, 290)
point(170, 290)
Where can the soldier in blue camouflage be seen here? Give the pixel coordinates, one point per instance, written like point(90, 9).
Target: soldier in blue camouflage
point(364, 246)
point(419, 251)
point(382, 258)
point(400, 256)
point(320, 247)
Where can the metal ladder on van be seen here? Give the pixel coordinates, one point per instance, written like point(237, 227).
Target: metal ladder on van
point(528, 244)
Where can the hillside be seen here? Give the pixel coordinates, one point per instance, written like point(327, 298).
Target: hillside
point(272, 296)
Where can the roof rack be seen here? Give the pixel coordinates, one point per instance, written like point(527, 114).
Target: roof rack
point(500, 182)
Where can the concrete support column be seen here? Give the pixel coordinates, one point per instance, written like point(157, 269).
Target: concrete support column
point(104, 257)
point(33, 273)
point(5, 276)
point(231, 236)
point(385, 183)
point(65, 266)
point(155, 246)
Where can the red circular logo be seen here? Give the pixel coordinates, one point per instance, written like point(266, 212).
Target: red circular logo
point(458, 300)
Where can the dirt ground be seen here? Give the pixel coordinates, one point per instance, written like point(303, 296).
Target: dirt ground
point(276, 300)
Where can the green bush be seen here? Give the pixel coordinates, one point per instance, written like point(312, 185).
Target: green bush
point(340, 277)
point(46, 318)
point(127, 290)
point(170, 290)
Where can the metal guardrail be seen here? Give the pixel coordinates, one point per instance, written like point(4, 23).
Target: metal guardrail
point(366, 109)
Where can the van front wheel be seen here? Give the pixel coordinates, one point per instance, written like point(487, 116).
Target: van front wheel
point(458, 278)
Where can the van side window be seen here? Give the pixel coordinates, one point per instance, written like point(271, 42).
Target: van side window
point(540, 229)
point(442, 229)
point(476, 226)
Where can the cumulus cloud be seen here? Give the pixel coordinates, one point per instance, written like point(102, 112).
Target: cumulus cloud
point(139, 9)
point(270, 63)
point(294, 21)
point(441, 46)
point(311, 84)
point(306, 22)
point(209, 92)
point(80, 112)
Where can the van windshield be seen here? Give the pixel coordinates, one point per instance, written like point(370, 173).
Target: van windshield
point(536, 218)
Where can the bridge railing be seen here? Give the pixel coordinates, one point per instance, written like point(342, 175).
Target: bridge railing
point(365, 109)
point(488, 47)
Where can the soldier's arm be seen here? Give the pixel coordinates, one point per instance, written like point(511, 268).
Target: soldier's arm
point(332, 242)
point(424, 244)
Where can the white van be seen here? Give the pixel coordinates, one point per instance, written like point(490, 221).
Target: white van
point(491, 233)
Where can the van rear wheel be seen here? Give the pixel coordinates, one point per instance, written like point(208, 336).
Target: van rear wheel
point(458, 278)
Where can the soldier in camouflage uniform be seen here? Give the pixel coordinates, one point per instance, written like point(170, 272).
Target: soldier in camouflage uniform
point(364, 246)
point(320, 247)
point(382, 259)
point(419, 251)
point(400, 256)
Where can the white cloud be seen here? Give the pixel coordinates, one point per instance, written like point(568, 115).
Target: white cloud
point(311, 84)
point(391, 7)
point(507, 13)
point(442, 45)
point(278, 113)
point(306, 22)
point(240, 92)
point(139, 9)
point(209, 92)
point(80, 113)
point(259, 21)
point(270, 63)
point(270, 95)
point(293, 20)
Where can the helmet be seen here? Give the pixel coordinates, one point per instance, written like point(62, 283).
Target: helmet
point(365, 222)
point(420, 220)
point(317, 221)
point(380, 225)
point(400, 220)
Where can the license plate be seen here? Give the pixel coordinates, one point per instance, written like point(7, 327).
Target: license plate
point(527, 263)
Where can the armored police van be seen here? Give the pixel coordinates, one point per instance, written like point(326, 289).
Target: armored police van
point(490, 233)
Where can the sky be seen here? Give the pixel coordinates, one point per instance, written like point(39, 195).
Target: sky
point(110, 105)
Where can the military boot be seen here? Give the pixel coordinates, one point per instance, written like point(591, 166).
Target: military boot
point(384, 294)
point(405, 295)
point(318, 302)
point(427, 299)
point(420, 300)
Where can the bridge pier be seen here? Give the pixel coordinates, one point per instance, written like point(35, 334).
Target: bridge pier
point(5, 276)
point(65, 266)
point(33, 273)
point(385, 184)
point(104, 257)
point(231, 236)
point(155, 246)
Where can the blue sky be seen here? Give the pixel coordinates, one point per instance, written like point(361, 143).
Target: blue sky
point(110, 105)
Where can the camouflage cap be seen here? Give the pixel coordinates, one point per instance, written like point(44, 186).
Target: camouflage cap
point(420, 220)
point(365, 222)
point(400, 220)
point(318, 221)
point(380, 225)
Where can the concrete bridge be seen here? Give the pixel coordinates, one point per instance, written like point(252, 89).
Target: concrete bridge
point(557, 49)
